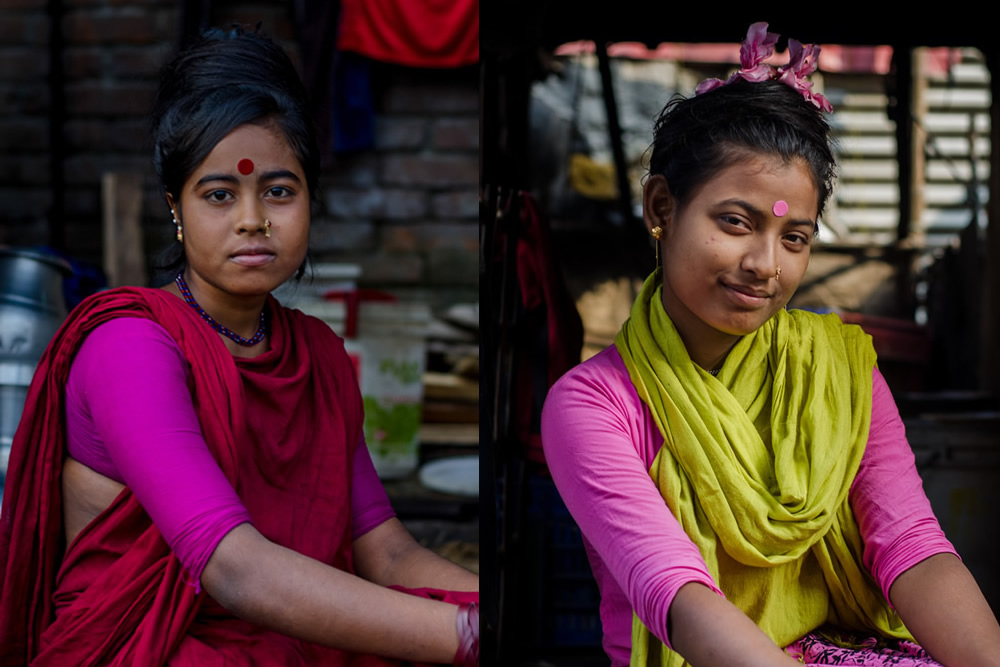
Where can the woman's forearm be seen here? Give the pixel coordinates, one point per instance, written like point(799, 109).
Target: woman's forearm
point(941, 604)
point(389, 556)
point(290, 593)
point(421, 567)
point(707, 629)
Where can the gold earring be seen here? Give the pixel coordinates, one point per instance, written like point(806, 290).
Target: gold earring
point(180, 230)
point(267, 228)
point(777, 274)
point(656, 233)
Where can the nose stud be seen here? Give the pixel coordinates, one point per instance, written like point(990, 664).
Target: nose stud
point(777, 274)
point(267, 232)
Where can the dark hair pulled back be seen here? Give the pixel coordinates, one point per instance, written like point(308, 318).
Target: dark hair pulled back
point(221, 81)
point(695, 138)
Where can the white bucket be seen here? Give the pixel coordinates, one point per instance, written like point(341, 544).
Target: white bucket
point(389, 352)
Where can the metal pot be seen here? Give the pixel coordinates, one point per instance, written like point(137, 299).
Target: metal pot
point(32, 307)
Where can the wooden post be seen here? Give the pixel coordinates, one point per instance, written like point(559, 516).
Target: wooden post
point(989, 366)
point(917, 235)
point(910, 140)
point(121, 198)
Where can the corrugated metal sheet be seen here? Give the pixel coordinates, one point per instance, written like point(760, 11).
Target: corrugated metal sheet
point(866, 200)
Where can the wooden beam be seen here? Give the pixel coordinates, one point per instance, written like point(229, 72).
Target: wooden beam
point(121, 198)
point(615, 134)
point(989, 368)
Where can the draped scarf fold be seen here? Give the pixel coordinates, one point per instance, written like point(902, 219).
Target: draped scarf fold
point(757, 463)
point(140, 609)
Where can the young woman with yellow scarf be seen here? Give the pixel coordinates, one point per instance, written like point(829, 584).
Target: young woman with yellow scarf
point(739, 471)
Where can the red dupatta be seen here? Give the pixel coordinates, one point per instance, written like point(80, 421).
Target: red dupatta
point(139, 610)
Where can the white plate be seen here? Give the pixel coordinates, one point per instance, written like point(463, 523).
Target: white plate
point(458, 475)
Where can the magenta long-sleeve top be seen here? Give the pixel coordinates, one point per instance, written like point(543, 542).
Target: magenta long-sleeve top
point(600, 440)
point(130, 417)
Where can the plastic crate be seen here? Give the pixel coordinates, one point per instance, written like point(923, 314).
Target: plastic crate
point(566, 603)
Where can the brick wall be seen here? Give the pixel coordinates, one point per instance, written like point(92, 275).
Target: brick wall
point(24, 138)
point(403, 211)
point(110, 57)
point(407, 211)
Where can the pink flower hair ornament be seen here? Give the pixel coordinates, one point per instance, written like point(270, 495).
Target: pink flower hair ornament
point(758, 47)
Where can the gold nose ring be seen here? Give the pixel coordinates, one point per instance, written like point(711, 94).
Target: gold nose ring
point(777, 274)
point(267, 232)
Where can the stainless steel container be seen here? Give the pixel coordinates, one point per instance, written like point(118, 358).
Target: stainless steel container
point(32, 307)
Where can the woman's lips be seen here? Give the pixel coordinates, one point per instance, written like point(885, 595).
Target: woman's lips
point(745, 295)
point(252, 257)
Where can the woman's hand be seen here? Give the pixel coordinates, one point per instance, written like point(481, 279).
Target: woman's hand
point(285, 591)
point(707, 629)
point(942, 606)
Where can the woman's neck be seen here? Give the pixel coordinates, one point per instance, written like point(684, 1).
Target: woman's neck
point(711, 362)
point(706, 346)
point(241, 315)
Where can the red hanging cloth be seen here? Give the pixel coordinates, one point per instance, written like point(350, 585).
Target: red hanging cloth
point(415, 33)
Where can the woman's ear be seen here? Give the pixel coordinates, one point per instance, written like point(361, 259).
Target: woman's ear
point(657, 204)
point(171, 205)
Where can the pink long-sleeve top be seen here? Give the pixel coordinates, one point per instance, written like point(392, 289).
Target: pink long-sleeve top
point(129, 416)
point(600, 441)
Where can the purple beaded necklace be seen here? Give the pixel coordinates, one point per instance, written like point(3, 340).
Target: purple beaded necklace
point(222, 329)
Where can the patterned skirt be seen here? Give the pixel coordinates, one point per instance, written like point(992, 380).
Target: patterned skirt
point(833, 647)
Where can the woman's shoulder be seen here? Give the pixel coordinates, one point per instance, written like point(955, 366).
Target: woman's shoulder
point(604, 367)
point(131, 329)
point(601, 380)
point(152, 312)
point(128, 340)
point(595, 411)
point(125, 346)
point(119, 296)
point(136, 304)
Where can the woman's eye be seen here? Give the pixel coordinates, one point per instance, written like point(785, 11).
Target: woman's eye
point(733, 221)
point(217, 196)
point(797, 239)
point(279, 191)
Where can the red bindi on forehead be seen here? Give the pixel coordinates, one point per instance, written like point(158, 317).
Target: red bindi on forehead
point(245, 166)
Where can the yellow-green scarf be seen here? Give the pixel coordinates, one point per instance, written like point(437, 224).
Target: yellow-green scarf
point(757, 464)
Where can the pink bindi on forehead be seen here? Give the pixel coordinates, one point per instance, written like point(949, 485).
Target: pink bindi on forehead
point(780, 208)
point(245, 166)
